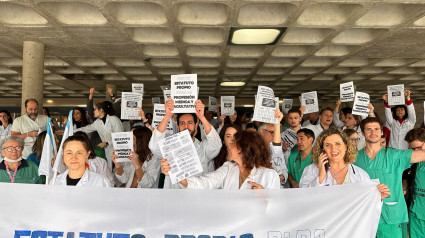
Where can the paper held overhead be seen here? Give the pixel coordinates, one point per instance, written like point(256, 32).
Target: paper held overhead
point(184, 92)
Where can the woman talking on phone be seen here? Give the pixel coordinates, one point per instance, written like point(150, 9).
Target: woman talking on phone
point(333, 155)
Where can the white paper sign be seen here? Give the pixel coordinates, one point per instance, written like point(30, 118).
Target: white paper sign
point(137, 88)
point(396, 95)
point(184, 92)
point(310, 101)
point(122, 143)
point(129, 104)
point(346, 91)
point(287, 105)
point(181, 154)
point(228, 105)
point(156, 100)
point(361, 102)
point(167, 95)
point(158, 115)
point(276, 100)
point(212, 104)
point(265, 105)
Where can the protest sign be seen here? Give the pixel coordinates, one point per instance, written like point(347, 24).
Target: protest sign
point(184, 92)
point(122, 143)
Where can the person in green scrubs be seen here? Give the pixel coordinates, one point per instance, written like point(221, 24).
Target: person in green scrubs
point(14, 169)
point(416, 140)
point(387, 165)
point(298, 160)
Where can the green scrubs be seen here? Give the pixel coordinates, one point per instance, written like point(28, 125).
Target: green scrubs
point(388, 167)
point(417, 209)
point(296, 166)
point(27, 173)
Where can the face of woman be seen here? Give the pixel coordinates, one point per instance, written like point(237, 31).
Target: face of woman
point(233, 117)
point(13, 154)
point(77, 115)
point(350, 121)
point(75, 155)
point(229, 137)
point(97, 112)
point(335, 148)
point(354, 138)
point(4, 117)
point(400, 112)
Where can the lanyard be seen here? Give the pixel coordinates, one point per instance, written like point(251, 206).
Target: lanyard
point(12, 179)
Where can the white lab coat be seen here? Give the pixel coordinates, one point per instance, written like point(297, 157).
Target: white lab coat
point(151, 173)
point(207, 150)
point(310, 177)
point(278, 161)
point(99, 165)
point(336, 123)
point(399, 131)
point(5, 132)
point(89, 179)
point(112, 124)
point(24, 124)
point(227, 177)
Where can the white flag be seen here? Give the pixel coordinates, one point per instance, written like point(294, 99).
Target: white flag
point(69, 131)
point(49, 150)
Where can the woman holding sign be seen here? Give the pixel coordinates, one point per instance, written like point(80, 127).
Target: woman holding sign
point(333, 155)
point(249, 167)
point(142, 170)
point(401, 121)
point(76, 152)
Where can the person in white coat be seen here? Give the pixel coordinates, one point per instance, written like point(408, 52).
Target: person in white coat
point(75, 154)
point(207, 149)
point(142, 169)
point(250, 168)
point(401, 120)
point(105, 124)
point(333, 155)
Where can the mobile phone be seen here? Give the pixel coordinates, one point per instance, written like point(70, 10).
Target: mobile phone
point(327, 164)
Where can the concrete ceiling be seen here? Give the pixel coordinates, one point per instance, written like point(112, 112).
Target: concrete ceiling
point(327, 42)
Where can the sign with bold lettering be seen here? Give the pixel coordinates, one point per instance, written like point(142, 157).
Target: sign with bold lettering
point(65, 211)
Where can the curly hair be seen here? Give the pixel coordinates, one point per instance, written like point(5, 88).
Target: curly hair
point(254, 151)
point(394, 109)
point(221, 158)
point(351, 153)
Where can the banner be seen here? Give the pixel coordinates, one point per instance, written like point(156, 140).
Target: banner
point(350, 210)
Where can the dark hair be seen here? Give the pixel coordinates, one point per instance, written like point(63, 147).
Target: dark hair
point(147, 114)
point(346, 110)
point(30, 100)
point(415, 134)
point(221, 158)
point(406, 114)
point(370, 120)
point(307, 132)
point(294, 110)
point(84, 122)
point(326, 109)
point(78, 138)
point(107, 108)
point(349, 132)
point(10, 120)
point(251, 125)
point(39, 143)
point(253, 149)
point(143, 136)
point(89, 144)
point(195, 118)
point(47, 111)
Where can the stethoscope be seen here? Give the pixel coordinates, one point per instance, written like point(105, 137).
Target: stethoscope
point(299, 159)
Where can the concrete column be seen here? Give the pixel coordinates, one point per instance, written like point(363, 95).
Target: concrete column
point(32, 73)
point(114, 89)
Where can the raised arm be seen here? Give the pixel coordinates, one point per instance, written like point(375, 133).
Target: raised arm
point(388, 114)
point(410, 108)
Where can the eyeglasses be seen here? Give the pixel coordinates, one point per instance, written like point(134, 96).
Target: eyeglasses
point(10, 148)
point(271, 132)
point(418, 147)
point(355, 140)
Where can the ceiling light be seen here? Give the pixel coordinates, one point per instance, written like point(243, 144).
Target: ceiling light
point(248, 105)
point(49, 101)
point(254, 36)
point(232, 84)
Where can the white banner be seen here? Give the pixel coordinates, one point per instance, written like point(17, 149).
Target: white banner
point(351, 210)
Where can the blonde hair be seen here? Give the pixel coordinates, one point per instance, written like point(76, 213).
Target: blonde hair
point(350, 154)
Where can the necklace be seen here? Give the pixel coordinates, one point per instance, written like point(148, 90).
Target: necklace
point(335, 175)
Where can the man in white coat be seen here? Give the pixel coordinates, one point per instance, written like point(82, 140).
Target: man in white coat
point(207, 149)
point(28, 125)
point(325, 121)
point(271, 135)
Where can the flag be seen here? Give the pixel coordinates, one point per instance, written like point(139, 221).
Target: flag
point(69, 131)
point(49, 150)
